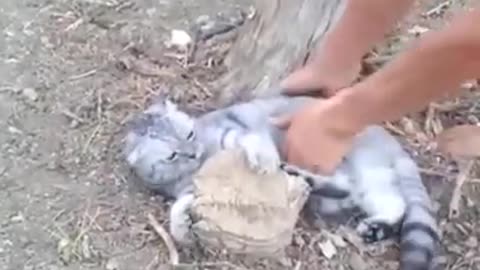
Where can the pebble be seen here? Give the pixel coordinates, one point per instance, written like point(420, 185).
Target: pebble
point(30, 93)
point(202, 19)
point(112, 264)
point(17, 218)
point(14, 130)
point(472, 242)
point(180, 39)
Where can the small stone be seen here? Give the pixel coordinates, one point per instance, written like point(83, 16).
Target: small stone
point(202, 19)
point(17, 218)
point(328, 249)
point(472, 242)
point(180, 39)
point(74, 124)
point(112, 264)
point(52, 165)
point(64, 250)
point(14, 130)
point(470, 202)
point(30, 93)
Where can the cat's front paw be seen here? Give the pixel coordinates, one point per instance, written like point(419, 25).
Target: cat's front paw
point(261, 153)
point(180, 221)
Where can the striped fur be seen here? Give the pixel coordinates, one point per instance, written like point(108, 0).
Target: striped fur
point(377, 176)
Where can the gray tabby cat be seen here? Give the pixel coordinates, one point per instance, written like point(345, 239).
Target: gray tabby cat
point(166, 146)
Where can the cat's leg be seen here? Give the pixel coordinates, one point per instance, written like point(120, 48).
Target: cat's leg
point(384, 213)
point(336, 186)
point(180, 221)
point(261, 153)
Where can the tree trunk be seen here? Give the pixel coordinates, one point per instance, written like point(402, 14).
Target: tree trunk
point(277, 40)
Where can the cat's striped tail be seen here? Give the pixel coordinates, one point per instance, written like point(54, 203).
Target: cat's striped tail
point(419, 234)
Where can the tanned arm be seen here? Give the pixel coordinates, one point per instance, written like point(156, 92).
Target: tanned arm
point(320, 134)
point(435, 67)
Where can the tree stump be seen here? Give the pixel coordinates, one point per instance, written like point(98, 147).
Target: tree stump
point(277, 40)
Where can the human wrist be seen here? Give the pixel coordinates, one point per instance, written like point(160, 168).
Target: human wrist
point(348, 111)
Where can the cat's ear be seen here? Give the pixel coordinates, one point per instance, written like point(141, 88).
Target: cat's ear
point(170, 105)
point(161, 105)
point(139, 123)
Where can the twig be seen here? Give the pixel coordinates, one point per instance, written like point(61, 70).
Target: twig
point(377, 60)
point(99, 105)
point(153, 263)
point(167, 239)
point(457, 191)
point(124, 5)
point(90, 138)
point(202, 87)
point(203, 265)
point(3, 171)
point(8, 88)
point(432, 172)
point(474, 181)
point(83, 75)
point(70, 114)
point(437, 9)
point(74, 25)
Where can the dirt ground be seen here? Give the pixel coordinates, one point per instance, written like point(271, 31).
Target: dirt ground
point(71, 74)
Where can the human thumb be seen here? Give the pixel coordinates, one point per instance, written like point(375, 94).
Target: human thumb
point(282, 122)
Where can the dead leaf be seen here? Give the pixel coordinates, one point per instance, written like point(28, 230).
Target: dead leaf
point(418, 30)
point(432, 124)
point(412, 128)
point(460, 141)
point(337, 240)
point(463, 175)
point(328, 249)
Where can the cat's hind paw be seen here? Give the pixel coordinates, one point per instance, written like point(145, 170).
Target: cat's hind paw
point(180, 220)
point(374, 231)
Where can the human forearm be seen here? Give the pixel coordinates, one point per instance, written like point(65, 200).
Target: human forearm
point(336, 62)
point(363, 24)
point(437, 66)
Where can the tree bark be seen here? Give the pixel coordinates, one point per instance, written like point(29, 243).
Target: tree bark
point(277, 40)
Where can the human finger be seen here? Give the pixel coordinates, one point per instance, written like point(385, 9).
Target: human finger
point(282, 122)
point(295, 157)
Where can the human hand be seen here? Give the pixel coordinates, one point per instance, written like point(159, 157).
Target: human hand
point(320, 77)
point(316, 139)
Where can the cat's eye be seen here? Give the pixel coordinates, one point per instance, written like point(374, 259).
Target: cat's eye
point(172, 156)
point(191, 135)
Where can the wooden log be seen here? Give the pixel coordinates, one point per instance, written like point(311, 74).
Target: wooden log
point(277, 40)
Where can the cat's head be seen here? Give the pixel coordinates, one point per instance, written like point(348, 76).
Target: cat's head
point(162, 144)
